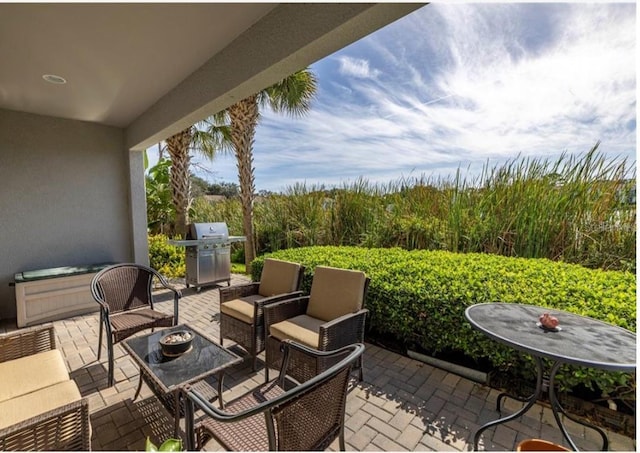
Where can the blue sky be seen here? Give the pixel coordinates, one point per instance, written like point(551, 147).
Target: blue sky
point(456, 86)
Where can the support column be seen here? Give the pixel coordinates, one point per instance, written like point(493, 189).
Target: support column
point(138, 206)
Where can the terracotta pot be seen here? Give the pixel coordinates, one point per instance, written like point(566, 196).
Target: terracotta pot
point(539, 445)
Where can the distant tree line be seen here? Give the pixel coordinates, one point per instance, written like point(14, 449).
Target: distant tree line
point(160, 209)
point(200, 187)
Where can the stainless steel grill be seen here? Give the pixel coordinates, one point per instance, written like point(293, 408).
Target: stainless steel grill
point(207, 253)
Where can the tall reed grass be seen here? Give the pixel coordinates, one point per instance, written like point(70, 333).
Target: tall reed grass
point(574, 209)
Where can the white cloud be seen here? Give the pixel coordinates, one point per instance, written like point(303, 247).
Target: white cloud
point(356, 67)
point(453, 85)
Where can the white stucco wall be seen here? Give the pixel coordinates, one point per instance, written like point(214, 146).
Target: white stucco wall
point(65, 197)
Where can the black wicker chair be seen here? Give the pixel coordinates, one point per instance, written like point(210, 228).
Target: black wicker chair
point(242, 306)
point(331, 317)
point(279, 415)
point(126, 304)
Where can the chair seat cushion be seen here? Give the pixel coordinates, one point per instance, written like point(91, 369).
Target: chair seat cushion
point(303, 329)
point(29, 405)
point(242, 308)
point(30, 373)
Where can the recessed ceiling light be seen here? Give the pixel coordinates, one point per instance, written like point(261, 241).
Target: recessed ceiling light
point(51, 78)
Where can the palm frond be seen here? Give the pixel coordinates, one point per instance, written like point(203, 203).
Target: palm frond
point(291, 95)
point(212, 135)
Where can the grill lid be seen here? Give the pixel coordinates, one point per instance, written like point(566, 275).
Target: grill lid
point(214, 230)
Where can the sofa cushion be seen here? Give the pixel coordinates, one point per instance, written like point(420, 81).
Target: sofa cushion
point(29, 405)
point(278, 277)
point(30, 373)
point(242, 309)
point(335, 292)
point(303, 329)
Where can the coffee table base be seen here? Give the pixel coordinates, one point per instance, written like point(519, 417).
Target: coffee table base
point(167, 377)
point(172, 400)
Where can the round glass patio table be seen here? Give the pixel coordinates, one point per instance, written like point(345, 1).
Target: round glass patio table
point(579, 341)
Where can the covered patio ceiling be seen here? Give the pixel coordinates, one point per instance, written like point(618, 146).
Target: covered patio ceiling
point(154, 69)
point(136, 73)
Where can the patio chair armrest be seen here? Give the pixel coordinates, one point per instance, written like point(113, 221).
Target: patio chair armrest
point(163, 281)
point(279, 298)
point(258, 307)
point(342, 331)
point(285, 309)
point(176, 297)
point(195, 400)
point(177, 294)
point(290, 345)
point(237, 291)
point(70, 422)
point(26, 342)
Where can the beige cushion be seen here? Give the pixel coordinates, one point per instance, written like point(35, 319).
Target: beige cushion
point(30, 373)
point(38, 402)
point(242, 308)
point(278, 277)
point(303, 329)
point(335, 292)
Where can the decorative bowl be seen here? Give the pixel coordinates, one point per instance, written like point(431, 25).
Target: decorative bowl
point(176, 343)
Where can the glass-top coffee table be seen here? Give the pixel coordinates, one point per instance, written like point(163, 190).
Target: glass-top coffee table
point(167, 375)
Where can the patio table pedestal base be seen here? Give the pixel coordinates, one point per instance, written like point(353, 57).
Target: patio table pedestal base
point(556, 408)
point(581, 341)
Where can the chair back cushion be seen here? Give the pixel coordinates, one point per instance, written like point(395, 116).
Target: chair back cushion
point(279, 277)
point(336, 292)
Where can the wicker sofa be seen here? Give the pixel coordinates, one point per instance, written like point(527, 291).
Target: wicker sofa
point(40, 406)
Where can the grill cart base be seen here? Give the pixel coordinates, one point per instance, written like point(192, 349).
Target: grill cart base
point(207, 254)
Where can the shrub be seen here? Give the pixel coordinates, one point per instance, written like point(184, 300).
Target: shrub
point(166, 259)
point(169, 260)
point(160, 209)
point(419, 297)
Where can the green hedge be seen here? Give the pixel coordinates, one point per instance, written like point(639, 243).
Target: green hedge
point(419, 297)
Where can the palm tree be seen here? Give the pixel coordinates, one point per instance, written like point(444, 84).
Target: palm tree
point(237, 124)
point(201, 140)
point(234, 128)
point(178, 149)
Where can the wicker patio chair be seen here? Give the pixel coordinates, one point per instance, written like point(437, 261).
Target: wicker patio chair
point(241, 306)
point(331, 317)
point(126, 304)
point(279, 415)
point(53, 416)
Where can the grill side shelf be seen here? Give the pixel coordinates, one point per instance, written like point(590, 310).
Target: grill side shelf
point(210, 242)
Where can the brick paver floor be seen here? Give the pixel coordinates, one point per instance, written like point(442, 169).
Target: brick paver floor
point(402, 404)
